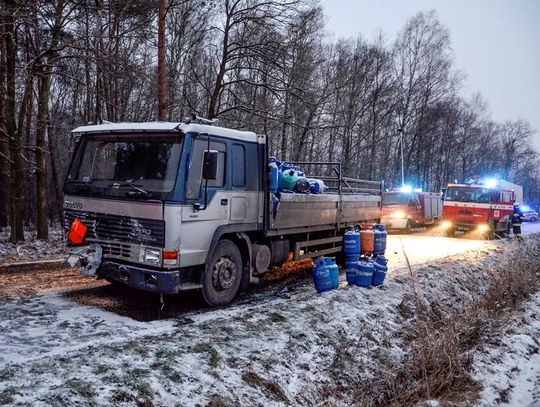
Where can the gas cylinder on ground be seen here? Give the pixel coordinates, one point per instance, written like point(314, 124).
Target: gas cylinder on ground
point(367, 241)
point(351, 245)
point(381, 268)
point(380, 234)
point(351, 270)
point(364, 273)
point(325, 274)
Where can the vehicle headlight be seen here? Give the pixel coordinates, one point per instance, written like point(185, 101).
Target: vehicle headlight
point(398, 214)
point(483, 228)
point(446, 224)
point(152, 256)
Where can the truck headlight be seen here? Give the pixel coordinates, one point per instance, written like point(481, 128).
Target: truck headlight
point(446, 224)
point(398, 214)
point(483, 228)
point(152, 256)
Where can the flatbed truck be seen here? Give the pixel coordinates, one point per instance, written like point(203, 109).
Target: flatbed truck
point(176, 206)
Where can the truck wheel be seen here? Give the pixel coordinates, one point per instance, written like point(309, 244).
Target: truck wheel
point(450, 232)
point(408, 227)
point(222, 274)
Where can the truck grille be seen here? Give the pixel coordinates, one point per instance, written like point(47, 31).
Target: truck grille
point(104, 227)
point(115, 249)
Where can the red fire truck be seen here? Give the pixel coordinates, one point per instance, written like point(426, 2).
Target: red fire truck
point(404, 209)
point(482, 207)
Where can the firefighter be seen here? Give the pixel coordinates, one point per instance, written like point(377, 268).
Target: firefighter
point(517, 218)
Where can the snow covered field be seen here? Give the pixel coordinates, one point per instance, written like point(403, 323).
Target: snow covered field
point(265, 351)
point(508, 364)
point(32, 249)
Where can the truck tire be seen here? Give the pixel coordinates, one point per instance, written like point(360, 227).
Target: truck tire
point(408, 227)
point(450, 232)
point(222, 274)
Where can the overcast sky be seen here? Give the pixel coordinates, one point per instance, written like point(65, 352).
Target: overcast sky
point(496, 44)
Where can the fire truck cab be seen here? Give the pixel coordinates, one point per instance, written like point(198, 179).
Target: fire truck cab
point(405, 209)
point(477, 207)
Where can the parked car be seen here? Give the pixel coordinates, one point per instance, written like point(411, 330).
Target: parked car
point(530, 215)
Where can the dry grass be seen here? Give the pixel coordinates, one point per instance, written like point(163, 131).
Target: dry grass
point(439, 362)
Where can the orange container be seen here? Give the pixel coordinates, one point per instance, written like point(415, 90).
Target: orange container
point(367, 241)
point(77, 232)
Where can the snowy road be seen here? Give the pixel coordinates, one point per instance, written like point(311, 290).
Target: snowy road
point(425, 246)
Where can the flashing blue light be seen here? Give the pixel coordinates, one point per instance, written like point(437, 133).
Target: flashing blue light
point(418, 190)
point(406, 188)
point(491, 182)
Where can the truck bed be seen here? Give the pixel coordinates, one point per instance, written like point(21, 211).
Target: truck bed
point(322, 211)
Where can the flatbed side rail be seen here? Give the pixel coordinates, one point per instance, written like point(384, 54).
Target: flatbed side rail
point(331, 173)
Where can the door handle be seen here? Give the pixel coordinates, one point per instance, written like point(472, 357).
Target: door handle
point(224, 202)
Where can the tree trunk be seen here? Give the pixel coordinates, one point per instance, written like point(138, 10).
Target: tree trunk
point(214, 99)
point(54, 175)
point(16, 190)
point(4, 150)
point(42, 142)
point(162, 64)
point(42, 148)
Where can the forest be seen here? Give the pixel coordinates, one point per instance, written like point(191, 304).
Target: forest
point(267, 66)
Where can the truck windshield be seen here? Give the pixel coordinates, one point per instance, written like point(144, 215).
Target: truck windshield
point(396, 198)
point(131, 165)
point(469, 194)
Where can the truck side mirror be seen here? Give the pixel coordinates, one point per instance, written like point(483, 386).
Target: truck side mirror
point(210, 164)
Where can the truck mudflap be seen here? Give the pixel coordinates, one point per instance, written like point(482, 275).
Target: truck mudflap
point(156, 281)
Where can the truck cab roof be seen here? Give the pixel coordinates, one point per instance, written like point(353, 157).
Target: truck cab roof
point(162, 127)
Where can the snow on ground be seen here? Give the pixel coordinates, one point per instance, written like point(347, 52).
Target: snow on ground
point(263, 350)
point(530, 227)
point(32, 249)
point(421, 249)
point(508, 365)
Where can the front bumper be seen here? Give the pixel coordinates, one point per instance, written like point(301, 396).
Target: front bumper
point(156, 281)
point(394, 223)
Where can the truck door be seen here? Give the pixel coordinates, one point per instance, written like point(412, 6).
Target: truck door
point(199, 225)
point(415, 208)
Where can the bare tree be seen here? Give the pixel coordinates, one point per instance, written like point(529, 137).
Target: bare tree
point(162, 64)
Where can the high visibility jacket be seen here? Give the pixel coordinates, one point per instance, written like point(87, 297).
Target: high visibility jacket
point(517, 216)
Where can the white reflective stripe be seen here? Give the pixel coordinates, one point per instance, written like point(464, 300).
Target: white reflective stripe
point(478, 205)
point(364, 273)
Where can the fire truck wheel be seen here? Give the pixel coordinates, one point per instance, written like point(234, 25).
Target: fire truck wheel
point(408, 227)
point(222, 274)
point(450, 232)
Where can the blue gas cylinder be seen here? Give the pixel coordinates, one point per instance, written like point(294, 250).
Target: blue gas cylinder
point(273, 175)
point(314, 186)
point(325, 274)
point(351, 245)
point(351, 271)
point(302, 185)
point(380, 239)
point(381, 268)
point(275, 202)
point(364, 273)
